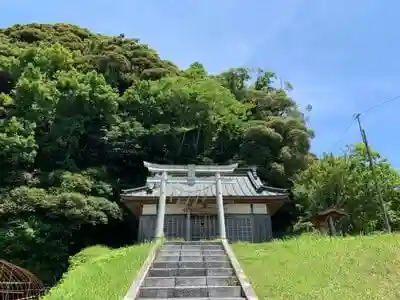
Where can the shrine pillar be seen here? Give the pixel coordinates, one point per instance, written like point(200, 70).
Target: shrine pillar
point(161, 206)
point(220, 205)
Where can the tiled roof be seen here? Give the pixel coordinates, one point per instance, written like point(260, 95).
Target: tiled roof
point(240, 183)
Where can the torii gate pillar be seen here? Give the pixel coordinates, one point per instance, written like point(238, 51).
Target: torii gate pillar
point(220, 205)
point(161, 206)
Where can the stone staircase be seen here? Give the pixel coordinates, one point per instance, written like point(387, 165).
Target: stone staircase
point(191, 270)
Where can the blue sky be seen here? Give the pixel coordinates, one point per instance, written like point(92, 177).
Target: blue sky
point(342, 57)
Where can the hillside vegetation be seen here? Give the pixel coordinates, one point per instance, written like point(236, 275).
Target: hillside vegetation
point(103, 276)
point(79, 112)
point(313, 267)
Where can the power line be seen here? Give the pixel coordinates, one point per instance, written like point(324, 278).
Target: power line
point(384, 102)
point(381, 104)
point(342, 135)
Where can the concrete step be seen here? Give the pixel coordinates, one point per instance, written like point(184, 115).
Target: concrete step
point(190, 292)
point(186, 272)
point(194, 247)
point(191, 264)
point(188, 243)
point(172, 292)
point(197, 249)
point(191, 270)
point(206, 258)
point(191, 281)
point(192, 252)
point(224, 291)
point(198, 298)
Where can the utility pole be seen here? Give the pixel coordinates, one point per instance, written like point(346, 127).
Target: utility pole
point(372, 167)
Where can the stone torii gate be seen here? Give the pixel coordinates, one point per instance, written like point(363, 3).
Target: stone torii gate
point(190, 170)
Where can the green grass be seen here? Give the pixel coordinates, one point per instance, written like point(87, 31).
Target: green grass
point(315, 267)
point(106, 277)
point(88, 254)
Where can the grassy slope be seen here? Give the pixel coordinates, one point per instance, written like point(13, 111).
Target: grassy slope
point(106, 277)
point(88, 254)
point(321, 268)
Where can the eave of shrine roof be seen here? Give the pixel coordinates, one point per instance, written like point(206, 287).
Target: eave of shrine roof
point(153, 167)
point(241, 184)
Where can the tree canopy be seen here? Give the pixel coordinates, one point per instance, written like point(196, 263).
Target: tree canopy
point(79, 112)
point(346, 182)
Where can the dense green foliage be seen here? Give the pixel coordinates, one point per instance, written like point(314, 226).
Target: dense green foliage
point(79, 113)
point(346, 182)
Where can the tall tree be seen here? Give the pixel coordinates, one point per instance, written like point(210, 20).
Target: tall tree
point(276, 136)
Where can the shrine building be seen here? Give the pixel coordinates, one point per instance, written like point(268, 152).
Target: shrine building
point(203, 202)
